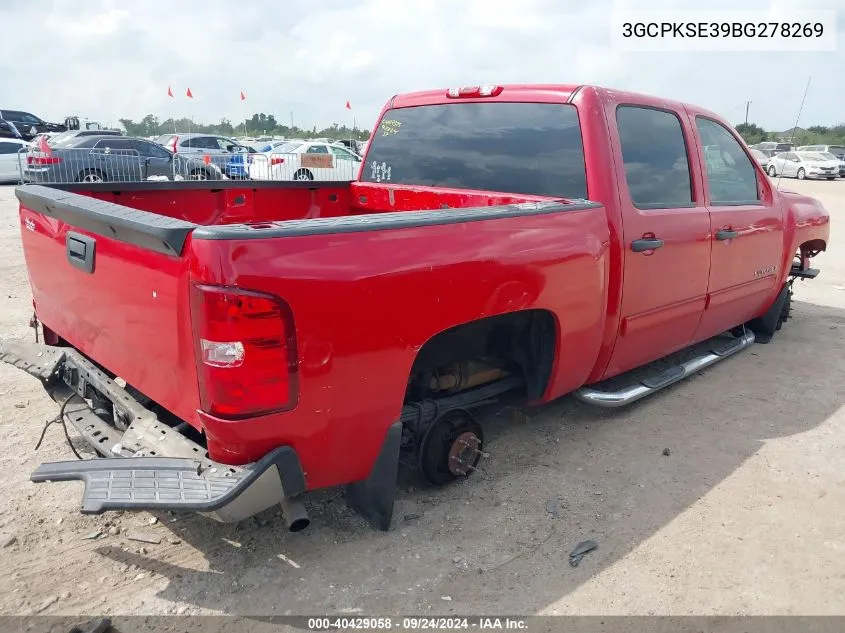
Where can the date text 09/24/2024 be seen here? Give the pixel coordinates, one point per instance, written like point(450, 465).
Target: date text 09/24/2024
point(417, 623)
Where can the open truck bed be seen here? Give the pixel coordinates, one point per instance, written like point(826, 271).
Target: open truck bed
point(336, 289)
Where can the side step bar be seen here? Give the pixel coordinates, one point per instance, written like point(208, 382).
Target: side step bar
point(650, 384)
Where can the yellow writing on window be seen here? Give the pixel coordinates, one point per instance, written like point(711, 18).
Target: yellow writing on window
point(390, 126)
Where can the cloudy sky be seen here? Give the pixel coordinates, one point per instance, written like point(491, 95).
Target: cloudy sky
point(107, 59)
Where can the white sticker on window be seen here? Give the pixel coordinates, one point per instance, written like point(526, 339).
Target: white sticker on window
point(379, 171)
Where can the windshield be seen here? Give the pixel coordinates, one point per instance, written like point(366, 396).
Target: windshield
point(810, 156)
point(827, 155)
point(527, 148)
point(757, 153)
point(837, 150)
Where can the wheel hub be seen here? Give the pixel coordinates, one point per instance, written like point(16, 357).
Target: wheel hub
point(464, 453)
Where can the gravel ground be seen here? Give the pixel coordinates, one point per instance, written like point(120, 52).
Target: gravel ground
point(743, 516)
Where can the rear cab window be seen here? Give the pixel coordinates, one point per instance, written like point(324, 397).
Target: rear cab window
point(522, 148)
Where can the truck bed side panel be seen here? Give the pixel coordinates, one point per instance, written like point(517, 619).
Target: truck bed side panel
point(365, 302)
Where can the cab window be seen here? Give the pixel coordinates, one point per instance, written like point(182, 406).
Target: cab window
point(655, 158)
point(731, 176)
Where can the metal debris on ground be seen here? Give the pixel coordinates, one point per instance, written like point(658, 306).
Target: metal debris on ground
point(551, 507)
point(92, 535)
point(583, 548)
point(411, 516)
point(143, 538)
point(666, 452)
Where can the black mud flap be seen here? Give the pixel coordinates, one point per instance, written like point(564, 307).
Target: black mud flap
point(764, 327)
point(373, 497)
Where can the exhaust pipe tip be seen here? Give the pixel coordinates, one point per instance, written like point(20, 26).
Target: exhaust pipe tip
point(295, 514)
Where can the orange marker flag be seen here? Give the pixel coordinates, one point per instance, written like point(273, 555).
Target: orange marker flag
point(348, 107)
point(243, 96)
point(169, 91)
point(189, 94)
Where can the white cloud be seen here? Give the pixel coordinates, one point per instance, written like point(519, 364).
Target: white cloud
point(107, 59)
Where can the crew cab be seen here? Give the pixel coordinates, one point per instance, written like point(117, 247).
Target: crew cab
point(233, 345)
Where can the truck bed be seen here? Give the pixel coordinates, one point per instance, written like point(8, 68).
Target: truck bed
point(369, 272)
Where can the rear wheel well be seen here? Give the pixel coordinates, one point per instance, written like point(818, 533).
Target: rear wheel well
point(811, 248)
point(518, 343)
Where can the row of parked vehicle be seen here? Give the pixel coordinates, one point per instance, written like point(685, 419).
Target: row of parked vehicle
point(807, 161)
point(109, 156)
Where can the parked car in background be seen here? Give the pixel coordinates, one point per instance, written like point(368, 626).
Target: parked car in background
point(836, 150)
point(304, 160)
point(12, 156)
point(772, 148)
point(65, 138)
point(803, 165)
point(760, 157)
point(112, 158)
point(839, 160)
point(48, 136)
point(227, 153)
point(29, 125)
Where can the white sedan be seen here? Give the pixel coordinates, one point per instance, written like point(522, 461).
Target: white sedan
point(11, 157)
point(803, 165)
point(304, 160)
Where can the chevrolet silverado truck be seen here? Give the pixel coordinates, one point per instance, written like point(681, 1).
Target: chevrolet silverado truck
point(228, 346)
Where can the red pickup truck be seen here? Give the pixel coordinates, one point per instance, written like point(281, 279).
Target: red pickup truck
point(232, 345)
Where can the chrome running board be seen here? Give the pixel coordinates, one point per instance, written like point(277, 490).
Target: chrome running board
point(656, 382)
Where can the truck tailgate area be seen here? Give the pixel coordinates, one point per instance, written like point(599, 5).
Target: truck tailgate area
point(121, 300)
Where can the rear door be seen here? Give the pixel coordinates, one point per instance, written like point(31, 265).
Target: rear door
point(747, 229)
point(118, 159)
point(157, 160)
point(666, 230)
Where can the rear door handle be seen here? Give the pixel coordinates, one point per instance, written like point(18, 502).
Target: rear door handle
point(726, 234)
point(646, 244)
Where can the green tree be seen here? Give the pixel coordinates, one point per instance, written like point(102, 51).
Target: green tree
point(751, 133)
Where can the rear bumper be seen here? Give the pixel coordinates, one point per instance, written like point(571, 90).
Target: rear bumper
point(146, 464)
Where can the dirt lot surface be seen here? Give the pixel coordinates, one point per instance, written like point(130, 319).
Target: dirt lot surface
point(743, 516)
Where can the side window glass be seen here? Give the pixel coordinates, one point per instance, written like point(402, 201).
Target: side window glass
point(342, 154)
point(317, 149)
point(8, 148)
point(731, 177)
point(654, 155)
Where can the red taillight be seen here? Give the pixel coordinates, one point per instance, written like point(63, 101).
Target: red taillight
point(39, 158)
point(474, 91)
point(173, 142)
point(245, 350)
point(275, 160)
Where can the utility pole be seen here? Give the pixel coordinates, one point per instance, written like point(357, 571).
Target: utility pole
point(747, 105)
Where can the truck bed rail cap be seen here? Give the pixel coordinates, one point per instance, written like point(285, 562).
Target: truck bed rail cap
point(386, 221)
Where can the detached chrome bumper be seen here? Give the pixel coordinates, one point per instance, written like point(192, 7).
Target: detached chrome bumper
point(146, 464)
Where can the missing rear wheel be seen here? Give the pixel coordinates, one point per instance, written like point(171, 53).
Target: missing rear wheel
point(451, 448)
